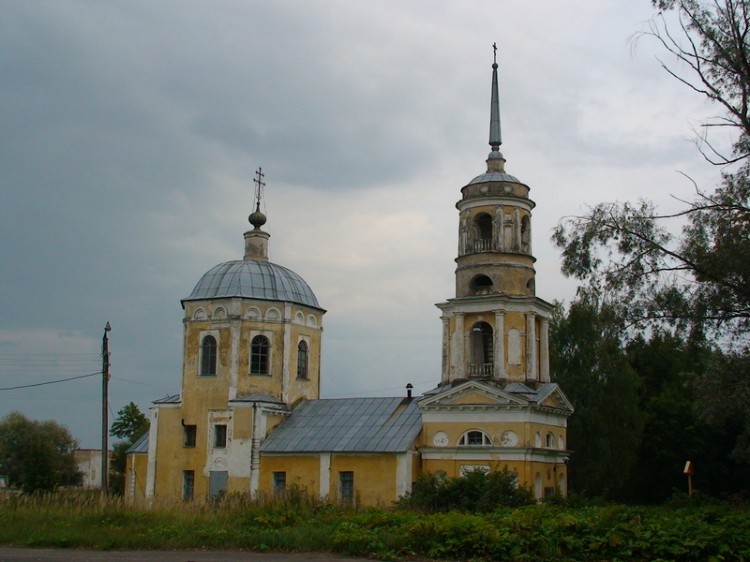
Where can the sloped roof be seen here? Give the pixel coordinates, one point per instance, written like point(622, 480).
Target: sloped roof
point(140, 446)
point(173, 399)
point(356, 425)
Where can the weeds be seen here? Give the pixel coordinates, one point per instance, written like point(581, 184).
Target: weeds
point(297, 522)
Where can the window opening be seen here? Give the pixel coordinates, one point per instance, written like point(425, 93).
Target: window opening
point(482, 350)
point(188, 484)
point(302, 360)
point(189, 432)
point(208, 356)
point(481, 284)
point(550, 441)
point(220, 436)
point(279, 483)
point(475, 438)
point(484, 229)
point(259, 351)
point(346, 487)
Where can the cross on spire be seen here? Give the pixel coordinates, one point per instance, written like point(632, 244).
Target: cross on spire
point(259, 185)
point(494, 47)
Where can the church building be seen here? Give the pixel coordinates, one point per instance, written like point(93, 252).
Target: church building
point(249, 418)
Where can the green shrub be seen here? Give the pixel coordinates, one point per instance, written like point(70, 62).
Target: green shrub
point(475, 492)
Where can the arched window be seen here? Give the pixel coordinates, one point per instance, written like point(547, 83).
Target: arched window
point(208, 356)
point(259, 354)
point(483, 242)
point(550, 441)
point(302, 360)
point(475, 438)
point(482, 352)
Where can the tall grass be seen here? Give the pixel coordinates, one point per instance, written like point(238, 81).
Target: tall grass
point(298, 522)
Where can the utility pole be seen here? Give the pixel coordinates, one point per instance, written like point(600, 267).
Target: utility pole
point(105, 405)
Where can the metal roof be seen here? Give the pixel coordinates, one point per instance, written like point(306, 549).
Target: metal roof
point(174, 399)
point(254, 279)
point(140, 446)
point(356, 425)
point(493, 176)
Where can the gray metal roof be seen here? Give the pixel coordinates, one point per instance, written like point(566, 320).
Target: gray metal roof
point(174, 399)
point(493, 176)
point(254, 279)
point(140, 446)
point(354, 425)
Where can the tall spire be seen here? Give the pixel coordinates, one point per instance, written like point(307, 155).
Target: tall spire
point(495, 136)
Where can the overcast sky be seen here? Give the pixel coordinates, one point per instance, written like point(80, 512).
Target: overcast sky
point(130, 132)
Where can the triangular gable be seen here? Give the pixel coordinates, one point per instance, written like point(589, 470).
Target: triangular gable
point(471, 393)
point(551, 396)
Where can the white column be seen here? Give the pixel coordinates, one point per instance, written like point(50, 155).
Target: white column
point(544, 350)
point(325, 475)
point(445, 376)
point(459, 341)
point(499, 344)
point(403, 474)
point(256, 437)
point(153, 435)
point(234, 362)
point(531, 370)
point(286, 357)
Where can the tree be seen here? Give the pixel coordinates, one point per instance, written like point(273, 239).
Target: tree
point(130, 423)
point(129, 426)
point(589, 362)
point(696, 281)
point(37, 456)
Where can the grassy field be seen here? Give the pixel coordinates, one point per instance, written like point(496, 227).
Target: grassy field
point(531, 533)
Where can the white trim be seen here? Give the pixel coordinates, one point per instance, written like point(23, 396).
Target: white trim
point(153, 435)
point(403, 473)
point(497, 415)
point(325, 475)
point(517, 202)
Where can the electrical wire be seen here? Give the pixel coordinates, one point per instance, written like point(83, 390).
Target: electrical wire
point(50, 382)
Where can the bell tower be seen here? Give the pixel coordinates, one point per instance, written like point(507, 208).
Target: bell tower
point(495, 328)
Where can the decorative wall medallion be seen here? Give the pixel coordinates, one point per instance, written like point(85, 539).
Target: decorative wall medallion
point(440, 439)
point(509, 439)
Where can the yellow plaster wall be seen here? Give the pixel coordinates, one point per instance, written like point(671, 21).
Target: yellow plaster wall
point(374, 477)
point(301, 470)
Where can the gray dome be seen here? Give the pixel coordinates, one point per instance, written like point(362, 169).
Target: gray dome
point(494, 176)
point(253, 279)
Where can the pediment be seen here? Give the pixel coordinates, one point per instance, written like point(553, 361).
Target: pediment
point(472, 393)
point(555, 398)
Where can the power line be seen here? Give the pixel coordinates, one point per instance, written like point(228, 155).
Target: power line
point(51, 382)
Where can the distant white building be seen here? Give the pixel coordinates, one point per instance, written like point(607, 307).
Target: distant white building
point(89, 463)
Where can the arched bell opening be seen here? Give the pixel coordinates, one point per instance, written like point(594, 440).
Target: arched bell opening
point(482, 351)
point(481, 285)
point(483, 226)
point(531, 287)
